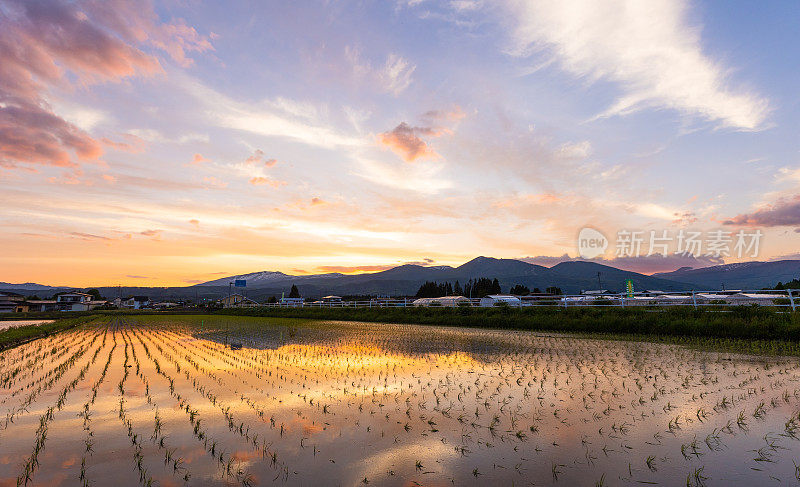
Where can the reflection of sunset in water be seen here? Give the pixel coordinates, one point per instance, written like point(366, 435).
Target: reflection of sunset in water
point(165, 400)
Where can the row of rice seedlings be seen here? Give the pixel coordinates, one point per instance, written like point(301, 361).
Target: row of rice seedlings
point(701, 413)
point(29, 378)
point(229, 467)
point(86, 413)
point(33, 359)
point(32, 462)
point(45, 383)
point(503, 396)
point(239, 428)
point(158, 437)
point(58, 351)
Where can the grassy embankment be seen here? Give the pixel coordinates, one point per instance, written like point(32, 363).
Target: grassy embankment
point(58, 315)
point(12, 337)
point(760, 330)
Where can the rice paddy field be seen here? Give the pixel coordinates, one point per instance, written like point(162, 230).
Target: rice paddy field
point(203, 400)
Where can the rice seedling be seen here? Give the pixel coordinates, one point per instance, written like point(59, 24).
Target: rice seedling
point(443, 405)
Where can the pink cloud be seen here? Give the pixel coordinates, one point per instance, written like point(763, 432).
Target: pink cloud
point(452, 115)
point(32, 134)
point(137, 22)
point(352, 269)
point(88, 236)
point(199, 159)
point(47, 44)
point(404, 140)
point(212, 182)
point(784, 212)
point(258, 157)
point(129, 143)
point(261, 181)
point(71, 178)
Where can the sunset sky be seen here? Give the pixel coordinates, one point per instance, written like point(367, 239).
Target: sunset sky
point(173, 143)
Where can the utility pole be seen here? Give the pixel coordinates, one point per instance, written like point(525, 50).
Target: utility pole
point(599, 286)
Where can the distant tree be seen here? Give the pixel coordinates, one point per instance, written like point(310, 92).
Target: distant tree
point(520, 290)
point(553, 290)
point(294, 293)
point(793, 284)
point(272, 299)
point(478, 288)
point(432, 290)
point(95, 294)
point(457, 289)
point(536, 290)
point(33, 297)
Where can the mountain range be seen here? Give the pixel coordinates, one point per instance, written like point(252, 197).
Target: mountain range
point(404, 280)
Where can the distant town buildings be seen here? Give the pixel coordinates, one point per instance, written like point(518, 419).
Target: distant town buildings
point(132, 302)
point(12, 303)
point(236, 300)
point(77, 302)
point(291, 301)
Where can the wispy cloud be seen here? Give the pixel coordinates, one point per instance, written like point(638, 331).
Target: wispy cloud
point(272, 118)
point(649, 48)
point(88, 236)
point(394, 76)
point(354, 269)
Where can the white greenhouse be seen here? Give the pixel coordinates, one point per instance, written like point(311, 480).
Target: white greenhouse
point(500, 300)
point(445, 301)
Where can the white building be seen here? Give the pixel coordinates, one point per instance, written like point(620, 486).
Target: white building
point(500, 300)
point(132, 302)
point(77, 302)
point(236, 301)
point(284, 301)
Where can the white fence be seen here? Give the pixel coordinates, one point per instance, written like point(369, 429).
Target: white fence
point(789, 299)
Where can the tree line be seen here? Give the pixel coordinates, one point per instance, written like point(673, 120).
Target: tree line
point(476, 288)
point(793, 284)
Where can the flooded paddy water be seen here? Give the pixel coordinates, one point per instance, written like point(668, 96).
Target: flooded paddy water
point(198, 400)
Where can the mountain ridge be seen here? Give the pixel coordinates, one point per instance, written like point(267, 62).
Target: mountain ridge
point(570, 276)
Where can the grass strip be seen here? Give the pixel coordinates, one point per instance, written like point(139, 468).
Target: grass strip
point(12, 337)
